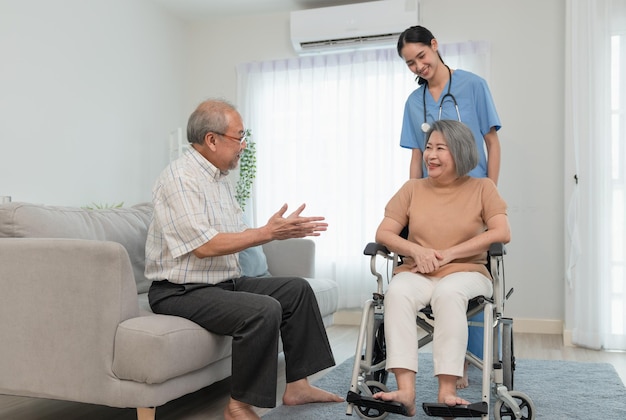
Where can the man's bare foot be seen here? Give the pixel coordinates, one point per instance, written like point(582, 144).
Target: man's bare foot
point(405, 398)
point(236, 410)
point(301, 392)
point(463, 382)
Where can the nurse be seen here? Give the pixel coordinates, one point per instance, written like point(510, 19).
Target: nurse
point(445, 93)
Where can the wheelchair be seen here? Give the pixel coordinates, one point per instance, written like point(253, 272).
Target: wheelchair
point(369, 375)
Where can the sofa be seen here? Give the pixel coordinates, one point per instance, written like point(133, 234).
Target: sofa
point(75, 323)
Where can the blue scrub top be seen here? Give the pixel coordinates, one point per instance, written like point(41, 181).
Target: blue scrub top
point(476, 108)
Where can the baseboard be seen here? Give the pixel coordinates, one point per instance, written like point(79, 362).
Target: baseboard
point(521, 325)
point(538, 326)
point(567, 339)
point(347, 317)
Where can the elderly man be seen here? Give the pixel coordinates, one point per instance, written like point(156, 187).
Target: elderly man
point(192, 257)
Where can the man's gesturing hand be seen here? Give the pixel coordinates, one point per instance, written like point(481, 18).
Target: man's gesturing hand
point(294, 225)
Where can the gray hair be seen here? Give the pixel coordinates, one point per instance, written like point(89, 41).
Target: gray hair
point(209, 117)
point(461, 144)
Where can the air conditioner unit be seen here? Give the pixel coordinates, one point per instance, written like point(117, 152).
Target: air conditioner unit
point(374, 24)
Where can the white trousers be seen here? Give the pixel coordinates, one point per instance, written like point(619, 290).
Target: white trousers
point(407, 294)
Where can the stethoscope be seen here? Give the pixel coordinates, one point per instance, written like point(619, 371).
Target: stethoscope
point(425, 125)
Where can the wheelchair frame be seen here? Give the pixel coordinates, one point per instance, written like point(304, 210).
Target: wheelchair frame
point(369, 375)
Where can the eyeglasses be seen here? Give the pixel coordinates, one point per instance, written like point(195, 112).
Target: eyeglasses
point(238, 140)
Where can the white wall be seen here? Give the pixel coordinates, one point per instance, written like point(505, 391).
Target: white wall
point(89, 93)
point(527, 41)
point(218, 46)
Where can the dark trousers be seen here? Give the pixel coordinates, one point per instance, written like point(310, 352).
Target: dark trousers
point(255, 312)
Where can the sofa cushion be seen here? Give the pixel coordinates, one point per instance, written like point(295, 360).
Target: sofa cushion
point(253, 262)
point(127, 226)
point(152, 349)
point(326, 293)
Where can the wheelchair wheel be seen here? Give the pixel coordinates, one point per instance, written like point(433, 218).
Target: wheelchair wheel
point(381, 376)
point(380, 354)
point(503, 411)
point(508, 356)
point(372, 413)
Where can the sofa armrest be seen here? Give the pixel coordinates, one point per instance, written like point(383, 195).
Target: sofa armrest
point(61, 303)
point(291, 257)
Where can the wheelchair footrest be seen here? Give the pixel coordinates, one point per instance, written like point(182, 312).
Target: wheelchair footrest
point(443, 410)
point(369, 402)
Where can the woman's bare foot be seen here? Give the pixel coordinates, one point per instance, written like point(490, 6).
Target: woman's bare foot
point(236, 410)
point(447, 391)
point(452, 400)
point(301, 392)
point(463, 382)
point(405, 398)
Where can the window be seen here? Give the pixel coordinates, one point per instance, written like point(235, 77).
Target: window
point(595, 133)
point(333, 123)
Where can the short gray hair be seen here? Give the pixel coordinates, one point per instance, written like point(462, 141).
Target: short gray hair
point(209, 117)
point(461, 144)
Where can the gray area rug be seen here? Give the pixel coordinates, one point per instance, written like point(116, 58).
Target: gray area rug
point(560, 390)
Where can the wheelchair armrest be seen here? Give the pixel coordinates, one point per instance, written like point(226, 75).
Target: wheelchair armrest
point(374, 248)
point(497, 249)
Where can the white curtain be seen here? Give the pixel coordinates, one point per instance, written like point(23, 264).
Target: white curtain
point(595, 142)
point(327, 130)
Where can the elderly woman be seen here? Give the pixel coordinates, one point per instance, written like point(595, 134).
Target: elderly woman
point(452, 220)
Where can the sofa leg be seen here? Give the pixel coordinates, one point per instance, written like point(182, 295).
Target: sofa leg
point(146, 413)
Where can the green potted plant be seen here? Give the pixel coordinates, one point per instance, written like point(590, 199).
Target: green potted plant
point(247, 171)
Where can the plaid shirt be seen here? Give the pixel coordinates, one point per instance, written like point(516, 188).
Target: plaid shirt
point(193, 201)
